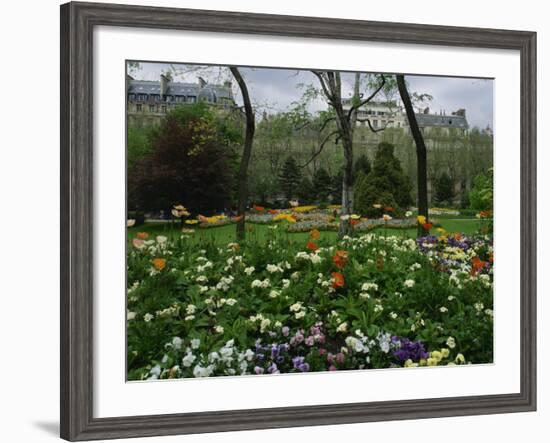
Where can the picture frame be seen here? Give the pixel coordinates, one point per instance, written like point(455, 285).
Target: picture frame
point(77, 218)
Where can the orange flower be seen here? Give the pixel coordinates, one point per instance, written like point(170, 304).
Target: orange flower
point(315, 234)
point(258, 208)
point(388, 209)
point(159, 263)
point(338, 280)
point(458, 236)
point(237, 218)
point(340, 259)
point(427, 226)
point(142, 235)
point(312, 246)
point(491, 258)
point(272, 211)
point(477, 265)
point(486, 214)
point(353, 222)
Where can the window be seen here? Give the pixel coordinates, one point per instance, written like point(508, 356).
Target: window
point(138, 107)
point(151, 108)
point(192, 99)
point(164, 109)
point(375, 123)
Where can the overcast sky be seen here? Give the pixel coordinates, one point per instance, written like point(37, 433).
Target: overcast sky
point(277, 89)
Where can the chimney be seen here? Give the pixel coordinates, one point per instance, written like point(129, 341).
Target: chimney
point(202, 82)
point(461, 112)
point(164, 80)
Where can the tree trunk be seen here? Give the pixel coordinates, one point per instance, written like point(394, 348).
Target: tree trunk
point(421, 160)
point(242, 177)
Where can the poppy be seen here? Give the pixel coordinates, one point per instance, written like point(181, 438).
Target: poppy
point(338, 280)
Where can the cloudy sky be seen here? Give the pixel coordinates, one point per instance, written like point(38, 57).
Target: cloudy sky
point(276, 89)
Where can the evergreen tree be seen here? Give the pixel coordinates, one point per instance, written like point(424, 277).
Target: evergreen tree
point(336, 187)
point(362, 164)
point(386, 184)
point(306, 191)
point(289, 178)
point(322, 185)
point(444, 190)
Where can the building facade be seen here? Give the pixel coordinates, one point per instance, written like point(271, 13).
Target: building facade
point(149, 101)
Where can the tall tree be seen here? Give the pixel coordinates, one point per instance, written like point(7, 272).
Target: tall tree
point(321, 185)
point(290, 177)
point(421, 161)
point(242, 176)
point(444, 189)
point(345, 119)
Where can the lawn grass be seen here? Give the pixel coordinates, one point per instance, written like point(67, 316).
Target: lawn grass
point(259, 232)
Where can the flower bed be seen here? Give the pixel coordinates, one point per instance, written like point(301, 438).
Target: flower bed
point(364, 302)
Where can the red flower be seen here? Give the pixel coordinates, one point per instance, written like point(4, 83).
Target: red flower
point(340, 259)
point(258, 208)
point(353, 222)
point(427, 226)
point(237, 218)
point(477, 265)
point(338, 280)
point(312, 246)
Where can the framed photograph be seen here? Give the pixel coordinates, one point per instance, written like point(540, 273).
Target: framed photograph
point(272, 221)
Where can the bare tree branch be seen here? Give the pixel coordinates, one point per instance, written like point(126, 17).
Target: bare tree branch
point(372, 128)
point(321, 147)
point(369, 98)
point(319, 75)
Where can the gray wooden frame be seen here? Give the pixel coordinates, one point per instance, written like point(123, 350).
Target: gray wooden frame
point(77, 24)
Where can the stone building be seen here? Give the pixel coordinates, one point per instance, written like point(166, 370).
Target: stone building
point(148, 101)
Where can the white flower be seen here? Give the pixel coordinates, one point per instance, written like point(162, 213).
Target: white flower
point(264, 324)
point(161, 239)
point(415, 266)
point(296, 307)
point(300, 315)
point(195, 343)
point(386, 217)
point(200, 371)
point(177, 342)
point(393, 315)
point(188, 360)
point(249, 270)
point(130, 222)
point(148, 317)
point(219, 329)
point(274, 293)
point(451, 342)
point(230, 301)
point(261, 283)
point(408, 213)
point(201, 279)
point(409, 283)
point(342, 327)
point(368, 286)
point(443, 309)
point(191, 309)
point(130, 315)
point(155, 372)
point(479, 307)
point(344, 217)
point(355, 344)
point(189, 318)
point(273, 268)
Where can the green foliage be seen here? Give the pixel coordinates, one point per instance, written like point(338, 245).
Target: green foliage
point(138, 144)
point(322, 185)
point(289, 177)
point(444, 190)
point(386, 184)
point(361, 164)
point(306, 191)
point(337, 184)
point(481, 195)
point(181, 290)
point(192, 161)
